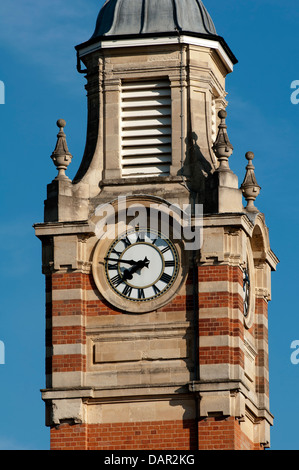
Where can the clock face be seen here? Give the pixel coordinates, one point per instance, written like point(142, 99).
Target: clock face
point(141, 266)
point(246, 290)
point(249, 287)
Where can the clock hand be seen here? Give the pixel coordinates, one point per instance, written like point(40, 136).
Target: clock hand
point(128, 273)
point(127, 261)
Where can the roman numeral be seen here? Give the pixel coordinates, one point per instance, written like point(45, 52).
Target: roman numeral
point(112, 267)
point(116, 280)
point(141, 237)
point(156, 289)
point(126, 242)
point(141, 294)
point(169, 264)
point(165, 278)
point(118, 253)
point(127, 291)
point(165, 249)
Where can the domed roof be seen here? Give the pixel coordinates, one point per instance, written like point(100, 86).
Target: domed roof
point(148, 17)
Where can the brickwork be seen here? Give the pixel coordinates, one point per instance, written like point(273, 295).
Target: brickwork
point(68, 437)
point(220, 273)
point(68, 335)
point(211, 326)
point(221, 355)
point(220, 299)
point(221, 326)
point(159, 435)
point(213, 434)
point(261, 307)
point(223, 434)
point(68, 363)
point(97, 307)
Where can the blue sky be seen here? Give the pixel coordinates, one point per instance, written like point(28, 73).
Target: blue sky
point(38, 68)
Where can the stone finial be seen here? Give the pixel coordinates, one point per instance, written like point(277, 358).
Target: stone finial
point(61, 155)
point(249, 187)
point(222, 146)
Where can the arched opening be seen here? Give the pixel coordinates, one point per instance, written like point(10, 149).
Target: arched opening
point(258, 245)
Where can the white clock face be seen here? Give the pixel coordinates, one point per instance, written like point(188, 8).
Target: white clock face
point(141, 265)
point(246, 291)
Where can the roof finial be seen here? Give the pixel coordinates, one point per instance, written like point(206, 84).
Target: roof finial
point(61, 155)
point(249, 187)
point(222, 146)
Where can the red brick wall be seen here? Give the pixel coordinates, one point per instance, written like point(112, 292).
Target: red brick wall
point(213, 326)
point(158, 435)
point(68, 437)
point(223, 434)
point(220, 273)
point(213, 434)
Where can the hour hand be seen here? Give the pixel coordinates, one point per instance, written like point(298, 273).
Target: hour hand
point(128, 273)
point(146, 262)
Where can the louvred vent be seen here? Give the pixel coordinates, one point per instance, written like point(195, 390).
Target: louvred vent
point(146, 128)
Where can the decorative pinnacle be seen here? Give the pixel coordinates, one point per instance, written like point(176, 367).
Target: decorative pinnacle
point(61, 155)
point(249, 187)
point(222, 146)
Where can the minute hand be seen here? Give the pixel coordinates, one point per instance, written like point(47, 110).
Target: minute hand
point(127, 261)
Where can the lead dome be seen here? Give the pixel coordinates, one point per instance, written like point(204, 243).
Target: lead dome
point(144, 17)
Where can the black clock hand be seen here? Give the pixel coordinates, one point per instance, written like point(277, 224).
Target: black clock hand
point(128, 273)
point(127, 261)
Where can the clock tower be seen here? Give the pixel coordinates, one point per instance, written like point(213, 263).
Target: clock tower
point(157, 261)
